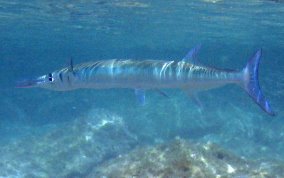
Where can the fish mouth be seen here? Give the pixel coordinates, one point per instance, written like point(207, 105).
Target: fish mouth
point(28, 83)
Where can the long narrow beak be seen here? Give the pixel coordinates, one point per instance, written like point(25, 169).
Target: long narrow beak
point(29, 83)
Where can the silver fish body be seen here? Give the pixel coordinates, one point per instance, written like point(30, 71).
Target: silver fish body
point(153, 74)
point(146, 74)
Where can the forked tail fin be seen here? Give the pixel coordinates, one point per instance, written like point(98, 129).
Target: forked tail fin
point(251, 84)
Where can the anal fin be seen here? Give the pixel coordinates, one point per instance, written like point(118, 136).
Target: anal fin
point(162, 93)
point(193, 95)
point(197, 101)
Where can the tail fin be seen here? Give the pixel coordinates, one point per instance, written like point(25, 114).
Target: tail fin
point(251, 84)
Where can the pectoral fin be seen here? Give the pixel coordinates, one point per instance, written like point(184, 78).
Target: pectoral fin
point(140, 95)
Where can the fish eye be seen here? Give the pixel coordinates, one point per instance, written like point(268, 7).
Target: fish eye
point(50, 78)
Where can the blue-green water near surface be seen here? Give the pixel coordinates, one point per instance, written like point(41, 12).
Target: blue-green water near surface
point(37, 37)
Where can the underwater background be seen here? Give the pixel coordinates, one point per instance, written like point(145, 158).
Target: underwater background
point(77, 133)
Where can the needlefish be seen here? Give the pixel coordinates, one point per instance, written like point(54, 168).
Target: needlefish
point(140, 75)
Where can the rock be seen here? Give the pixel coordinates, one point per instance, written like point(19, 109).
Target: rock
point(68, 151)
point(277, 0)
point(181, 158)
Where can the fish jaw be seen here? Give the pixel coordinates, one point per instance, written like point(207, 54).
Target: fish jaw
point(30, 83)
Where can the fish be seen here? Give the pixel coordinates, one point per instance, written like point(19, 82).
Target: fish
point(141, 75)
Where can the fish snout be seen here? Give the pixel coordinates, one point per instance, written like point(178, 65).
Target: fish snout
point(29, 83)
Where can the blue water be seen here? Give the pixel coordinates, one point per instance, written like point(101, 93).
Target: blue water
point(37, 37)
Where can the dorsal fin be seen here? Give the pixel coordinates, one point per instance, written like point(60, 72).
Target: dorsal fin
point(71, 65)
point(71, 68)
point(191, 55)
